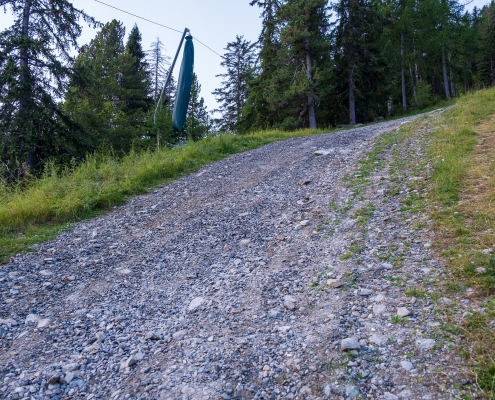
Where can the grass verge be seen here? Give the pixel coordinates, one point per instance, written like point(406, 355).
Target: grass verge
point(461, 201)
point(40, 212)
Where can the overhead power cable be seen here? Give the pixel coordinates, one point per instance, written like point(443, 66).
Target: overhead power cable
point(156, 23)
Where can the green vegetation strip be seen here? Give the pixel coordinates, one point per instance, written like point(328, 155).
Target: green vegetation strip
point(38, 213)
point(459, 196)
point(460, 199)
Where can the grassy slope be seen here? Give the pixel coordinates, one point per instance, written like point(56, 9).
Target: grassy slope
point(462, 204)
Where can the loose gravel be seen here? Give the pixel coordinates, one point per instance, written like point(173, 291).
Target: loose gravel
point(236, 282)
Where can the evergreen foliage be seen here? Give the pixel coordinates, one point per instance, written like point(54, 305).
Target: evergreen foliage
point(376, 58)
point(198, 123)
point(239, 62)
point(34, 66)
point(110, 91)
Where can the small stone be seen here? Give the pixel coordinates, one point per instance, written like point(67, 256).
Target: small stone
point(351, 343)
point(379, 309)
point(284, 329)
point(54, 379)
point(195, 303)
point(290, 303)
point(69, 376)
point(44, 272)
point(402, 312)
point(33, 318)
point(327, 390)
point(407, 365)
point(323, 152)
point(245, 242)
point(379, 340)
point(444, 300)
point(386, 266)
point(8, 322)
point(188, 390)
point(304, 222)
point(305, 390)
point(380, 298)
point(352, 391)
point(70, 367)
point(71, 278)
point(179, 335)
point(335, 283)
point(124, 271)
point(481, 270)
point(274, 313)
point(303, 182)
point(100, 337)
point(44, 323)
point(425, 344)
point(364, 292)
point(152, 336)
point(131, 361)
point(390, 396)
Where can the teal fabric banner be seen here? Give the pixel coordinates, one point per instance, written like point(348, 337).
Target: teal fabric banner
point(184, 86)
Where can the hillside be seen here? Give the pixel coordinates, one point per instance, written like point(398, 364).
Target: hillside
point(355, 264)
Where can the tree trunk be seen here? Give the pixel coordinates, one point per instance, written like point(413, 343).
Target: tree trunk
point(352, 100)
point(452, 83)
point(445, 76)
point(25, 85)
point(311, 103)
point(492, 72)
point(402, 72)
point(156, 74)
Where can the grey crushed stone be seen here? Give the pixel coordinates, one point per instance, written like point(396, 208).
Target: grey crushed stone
point(220, 286)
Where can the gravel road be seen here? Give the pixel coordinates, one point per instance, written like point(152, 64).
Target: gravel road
point(235, 282)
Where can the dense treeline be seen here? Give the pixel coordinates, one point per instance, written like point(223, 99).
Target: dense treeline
point(324, 64)
point(316, 64)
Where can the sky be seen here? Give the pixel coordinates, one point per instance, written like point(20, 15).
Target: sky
point(213, 22)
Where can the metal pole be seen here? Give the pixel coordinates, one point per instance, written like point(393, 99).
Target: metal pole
point(169, 74)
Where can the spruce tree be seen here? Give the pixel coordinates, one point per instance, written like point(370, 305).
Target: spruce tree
point(136, 80)
point(258, 113)
point(361, 68)
point(305, 49)
point(486, 55)
point(35, 62)
point(198, 123)
point(232, 96)
point(105, 96)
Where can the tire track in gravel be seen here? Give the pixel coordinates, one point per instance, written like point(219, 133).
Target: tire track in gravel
point(194, 291)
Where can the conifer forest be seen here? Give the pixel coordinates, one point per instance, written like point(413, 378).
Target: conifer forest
point(316, 64)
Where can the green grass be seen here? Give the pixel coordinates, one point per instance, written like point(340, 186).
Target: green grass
point(459, 196)
point(38, 213)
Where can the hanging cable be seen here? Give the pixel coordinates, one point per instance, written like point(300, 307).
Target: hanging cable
point(156, 23)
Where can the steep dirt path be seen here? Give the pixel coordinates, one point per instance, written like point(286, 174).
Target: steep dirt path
point(215, 287)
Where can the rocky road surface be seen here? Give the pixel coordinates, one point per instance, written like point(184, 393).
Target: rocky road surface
point(237, 282)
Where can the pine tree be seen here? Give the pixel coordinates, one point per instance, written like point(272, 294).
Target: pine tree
point(136, 80)
point(360, 66)
point(108, 93)
point(305, 49)
point(232, 96)
point(35, 63)
point(198, 123)
point(486, 55)
point(258, 114)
